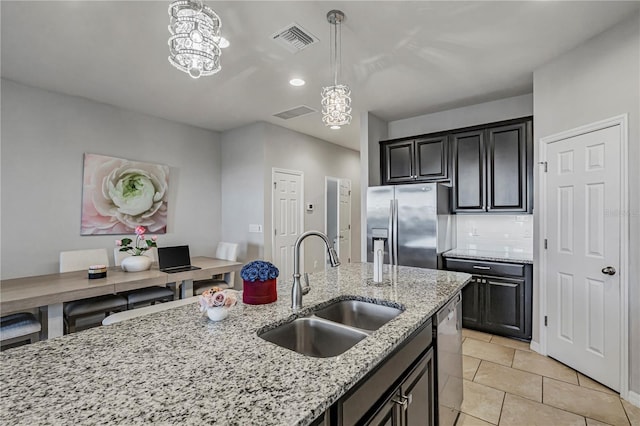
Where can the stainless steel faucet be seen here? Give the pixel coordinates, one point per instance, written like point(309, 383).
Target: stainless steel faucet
point(297, 291)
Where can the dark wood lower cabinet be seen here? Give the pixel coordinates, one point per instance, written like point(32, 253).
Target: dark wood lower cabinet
point(471, 307)
point(409, 404)
point(504, 306)
point(500, 300)
point(401, 391)
point(416, 391)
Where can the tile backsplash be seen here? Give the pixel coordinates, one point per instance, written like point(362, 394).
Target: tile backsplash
point(495, 232)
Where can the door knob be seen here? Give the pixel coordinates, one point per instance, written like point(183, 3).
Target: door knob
point(609, 270)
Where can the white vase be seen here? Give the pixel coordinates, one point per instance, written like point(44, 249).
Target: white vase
point(136, 263)
point(218, 313)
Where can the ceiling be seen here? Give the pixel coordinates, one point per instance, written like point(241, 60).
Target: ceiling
point(401, 59)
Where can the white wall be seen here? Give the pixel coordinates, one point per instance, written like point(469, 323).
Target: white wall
point(291, 150)
point(242, 154)
point(487, 112)
point(597, 80)
point(44, 136)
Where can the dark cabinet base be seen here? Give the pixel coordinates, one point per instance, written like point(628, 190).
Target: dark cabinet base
point(499, 302)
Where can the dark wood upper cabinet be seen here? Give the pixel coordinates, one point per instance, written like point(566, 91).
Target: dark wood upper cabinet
point(415, 160)
point(489, 166)
point(469, 171)
point(507, 172)
point(399, 162)
point(493, 168)
point(432, 159)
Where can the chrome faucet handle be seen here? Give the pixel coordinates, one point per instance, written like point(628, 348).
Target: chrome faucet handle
point(307, 287)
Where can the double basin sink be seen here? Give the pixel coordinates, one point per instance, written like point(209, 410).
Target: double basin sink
point(331, 330)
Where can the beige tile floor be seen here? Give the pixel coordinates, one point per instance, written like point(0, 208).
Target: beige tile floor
point(505, 383)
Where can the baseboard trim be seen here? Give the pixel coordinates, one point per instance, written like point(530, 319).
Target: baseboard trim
point(535, 346)
point(634, 398)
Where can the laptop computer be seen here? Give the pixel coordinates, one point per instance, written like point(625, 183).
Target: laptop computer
point(175, 259)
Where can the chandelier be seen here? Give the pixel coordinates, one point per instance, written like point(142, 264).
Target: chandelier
point(336, 99)
point(194, 44)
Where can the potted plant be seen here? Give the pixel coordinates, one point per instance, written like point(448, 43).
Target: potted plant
point(137, 261)
point(216, 303)
point(259, 282)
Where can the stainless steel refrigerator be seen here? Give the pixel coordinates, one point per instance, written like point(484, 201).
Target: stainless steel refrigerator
point(414, 220)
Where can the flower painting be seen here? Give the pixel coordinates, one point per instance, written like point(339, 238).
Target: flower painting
point(119, 195)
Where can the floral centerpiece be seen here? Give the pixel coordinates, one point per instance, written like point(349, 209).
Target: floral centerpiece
point(259, 282)
point(137, 262)
point(216, 302)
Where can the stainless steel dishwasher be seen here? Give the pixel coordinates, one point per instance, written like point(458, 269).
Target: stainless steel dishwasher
point(449, 361)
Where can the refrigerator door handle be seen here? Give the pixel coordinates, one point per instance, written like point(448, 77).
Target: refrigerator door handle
point(392, 220)
point(395, 232)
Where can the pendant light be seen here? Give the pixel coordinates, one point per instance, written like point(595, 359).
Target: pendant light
point(194, 44)
point(336, 99)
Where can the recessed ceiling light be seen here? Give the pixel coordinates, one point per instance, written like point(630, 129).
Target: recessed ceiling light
point(224, 43)
point(296, 82)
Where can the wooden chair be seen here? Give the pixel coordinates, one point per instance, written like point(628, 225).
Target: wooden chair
point(143, 296)
point(20, 328)
point(78, 260)
point(226, 251)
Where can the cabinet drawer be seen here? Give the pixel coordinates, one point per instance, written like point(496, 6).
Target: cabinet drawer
point(478, 267)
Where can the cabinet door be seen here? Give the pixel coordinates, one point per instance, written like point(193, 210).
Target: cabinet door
point(504, 306)
point(388, 414)
point(471, 304)
point(432, 160)
point(507, 171)
point(398, 162)
point(468, 171)
point(417, 394)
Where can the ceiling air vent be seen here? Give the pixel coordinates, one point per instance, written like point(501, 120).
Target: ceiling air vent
point(294, 38)
point(295, 112)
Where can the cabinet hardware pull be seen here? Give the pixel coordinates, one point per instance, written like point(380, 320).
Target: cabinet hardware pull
point(503, 284)
point(403, 403)
point(486, 268)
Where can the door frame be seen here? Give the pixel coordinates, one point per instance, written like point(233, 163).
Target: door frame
point(328, 179)
point(620, 120)
point(275, 170)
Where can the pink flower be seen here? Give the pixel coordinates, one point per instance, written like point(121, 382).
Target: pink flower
point(140, 230)
point(118, 243)
point(154, 238)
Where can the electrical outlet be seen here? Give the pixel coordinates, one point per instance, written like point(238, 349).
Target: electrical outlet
point(315, 264)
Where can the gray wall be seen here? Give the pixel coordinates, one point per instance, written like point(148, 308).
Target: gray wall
point(44, 136)
point(372, 131)
point(243, 190)
point(597, 80)
point(249, 154)
point(487, 112)
point(287, 149)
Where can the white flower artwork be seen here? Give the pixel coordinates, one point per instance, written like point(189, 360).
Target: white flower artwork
point(119, 194)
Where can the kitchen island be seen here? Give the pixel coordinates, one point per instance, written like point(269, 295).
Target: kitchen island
point(177, 366)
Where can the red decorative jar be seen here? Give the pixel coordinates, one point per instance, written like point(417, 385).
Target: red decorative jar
point(259, 292)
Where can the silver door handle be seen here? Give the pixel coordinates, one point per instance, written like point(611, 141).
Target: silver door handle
point(503, 284)
point(485, 268)
point(609, 270)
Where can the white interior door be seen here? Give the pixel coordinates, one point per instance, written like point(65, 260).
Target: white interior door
point(582, 221)
point(287, 218)
point(344, 221)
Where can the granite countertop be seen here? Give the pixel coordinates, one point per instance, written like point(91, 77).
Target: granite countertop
point(494, 254)
point(176, 366)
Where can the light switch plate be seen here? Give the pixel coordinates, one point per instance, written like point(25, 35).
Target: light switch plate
point(253, 227)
